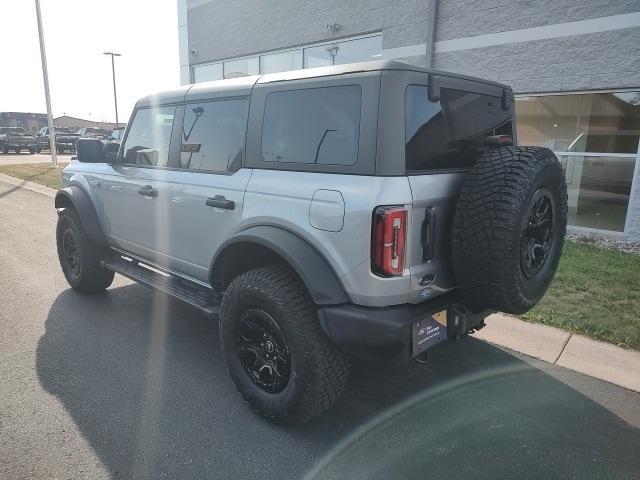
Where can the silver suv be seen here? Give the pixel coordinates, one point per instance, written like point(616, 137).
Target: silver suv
point(372, 209)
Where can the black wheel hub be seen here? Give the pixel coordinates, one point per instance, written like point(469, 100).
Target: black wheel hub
point(71, 251)
point(263, 351)
point(537, 233)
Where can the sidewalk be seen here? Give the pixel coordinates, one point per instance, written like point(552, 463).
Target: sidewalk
point(597, 359)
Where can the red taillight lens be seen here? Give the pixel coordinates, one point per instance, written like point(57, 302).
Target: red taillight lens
point(389, 234)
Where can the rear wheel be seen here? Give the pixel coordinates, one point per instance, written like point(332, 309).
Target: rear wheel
point(509, 228)
point(60, 150)
point(281, 361)
point(80, 256)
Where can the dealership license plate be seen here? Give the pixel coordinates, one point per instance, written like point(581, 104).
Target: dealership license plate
point(429, 331)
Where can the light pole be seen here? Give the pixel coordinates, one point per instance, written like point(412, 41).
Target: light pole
point(113, 71)
point(47, 97)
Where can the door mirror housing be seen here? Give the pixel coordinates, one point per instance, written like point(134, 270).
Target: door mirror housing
point(111, 151)
point(91, 150)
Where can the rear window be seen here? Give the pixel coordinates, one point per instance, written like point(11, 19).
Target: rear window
point(445, 135)
point(312, 126)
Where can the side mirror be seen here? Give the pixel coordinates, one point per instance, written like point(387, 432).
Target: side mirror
point(111, 151)
point(91, 150)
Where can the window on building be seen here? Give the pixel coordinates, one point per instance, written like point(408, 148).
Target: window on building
point(149, 137)
point(595, 136)
point(317, 125)
point(338, 53)
point(213, 135)
point(445, 134)
point(359, 49)
point(207, 73)
point(241, 68)
point(281, 62)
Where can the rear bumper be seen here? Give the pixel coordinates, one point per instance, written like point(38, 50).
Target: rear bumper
point(386, 333)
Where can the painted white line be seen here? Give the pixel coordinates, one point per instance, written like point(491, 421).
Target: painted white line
point(558, 30)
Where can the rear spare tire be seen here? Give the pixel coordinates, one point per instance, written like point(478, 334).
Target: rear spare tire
point(509, 227)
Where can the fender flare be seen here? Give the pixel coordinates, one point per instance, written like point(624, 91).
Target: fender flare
point(77, 198)
point(321, 281)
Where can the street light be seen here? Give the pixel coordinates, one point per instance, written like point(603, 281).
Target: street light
point(47, 96)
point(113, 71)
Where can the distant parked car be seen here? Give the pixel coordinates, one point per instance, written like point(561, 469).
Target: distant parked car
point(90, 132)
point(116, 135)
point(66, 140)
point(14, 138)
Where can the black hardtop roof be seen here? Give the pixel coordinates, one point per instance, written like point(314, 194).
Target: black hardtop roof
point(243, 85)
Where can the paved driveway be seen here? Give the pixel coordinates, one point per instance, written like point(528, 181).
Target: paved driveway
point(129, 384)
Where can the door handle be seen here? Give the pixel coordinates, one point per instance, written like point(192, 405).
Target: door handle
point(148, 191)
point(220, 202)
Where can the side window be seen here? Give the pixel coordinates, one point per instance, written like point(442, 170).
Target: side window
point(314, 125)
point(446, 134)
point(148, 140)
point(213, 135)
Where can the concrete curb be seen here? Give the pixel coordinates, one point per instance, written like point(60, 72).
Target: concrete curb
point(34, 187)
point(597, 359)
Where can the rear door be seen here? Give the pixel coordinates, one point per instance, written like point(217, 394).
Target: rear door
point(132, 192)
point(445, 124)
point(205, 187)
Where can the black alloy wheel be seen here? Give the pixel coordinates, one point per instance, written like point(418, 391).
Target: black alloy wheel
point(71, 251)
point(537, 233)
point(263, 350)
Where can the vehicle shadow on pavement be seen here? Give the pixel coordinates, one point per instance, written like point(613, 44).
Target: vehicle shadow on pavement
point(143, 378)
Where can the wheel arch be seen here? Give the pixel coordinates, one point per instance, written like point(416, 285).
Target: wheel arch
point(264, 245)
point(75, 197)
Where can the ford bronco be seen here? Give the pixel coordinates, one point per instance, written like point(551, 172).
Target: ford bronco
point(371, 209)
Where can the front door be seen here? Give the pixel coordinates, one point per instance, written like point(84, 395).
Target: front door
point(205, 191)
point(132, 190)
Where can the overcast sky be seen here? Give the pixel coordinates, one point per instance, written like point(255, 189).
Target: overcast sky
point(76, 33)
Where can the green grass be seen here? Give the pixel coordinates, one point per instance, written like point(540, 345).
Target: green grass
point(42, 173)
point(595, 292)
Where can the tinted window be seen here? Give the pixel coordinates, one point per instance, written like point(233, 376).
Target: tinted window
point(149, 137)
point(316, 125)
point(213, 135)
point(446, 134)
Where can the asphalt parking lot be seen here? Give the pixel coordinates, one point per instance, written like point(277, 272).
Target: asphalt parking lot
point(130, 384)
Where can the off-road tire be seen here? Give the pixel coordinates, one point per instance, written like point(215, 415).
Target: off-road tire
point(319, 370)
point(90, 277)
point(490, 220)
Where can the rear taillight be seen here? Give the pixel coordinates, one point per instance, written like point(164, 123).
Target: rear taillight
point(389, 234)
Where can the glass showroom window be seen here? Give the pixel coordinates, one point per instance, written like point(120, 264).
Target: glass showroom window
point(281, 61)
point(321, 55)
point(338, 53)
point(206, 73)
point(595, 136)
point(241, 67)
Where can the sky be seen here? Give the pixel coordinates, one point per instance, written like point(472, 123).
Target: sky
point(77, 32)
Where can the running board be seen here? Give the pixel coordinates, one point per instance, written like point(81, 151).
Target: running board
point(203, 298)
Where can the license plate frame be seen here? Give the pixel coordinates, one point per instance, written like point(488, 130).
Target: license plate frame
point(429, 331)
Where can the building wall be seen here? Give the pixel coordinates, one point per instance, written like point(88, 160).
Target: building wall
point(536, 46)
point(221, 29)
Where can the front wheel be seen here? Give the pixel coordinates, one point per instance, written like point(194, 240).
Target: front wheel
point(80, 256)
point(60, 150)
point(281, 361)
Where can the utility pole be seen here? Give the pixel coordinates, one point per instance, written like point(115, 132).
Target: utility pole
point(45, 77)
point(113, 72)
